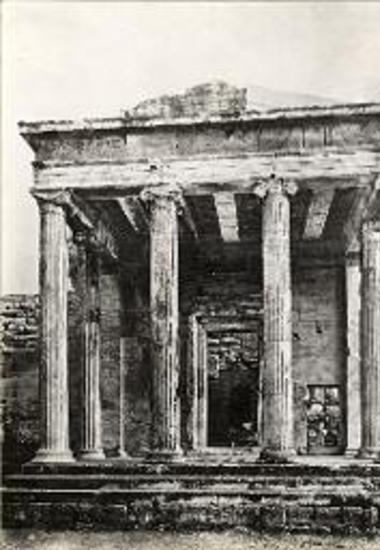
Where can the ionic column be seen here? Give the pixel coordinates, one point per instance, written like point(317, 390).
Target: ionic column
point(198, 383)
point(277, 406)
point(54, 390)
point(165, 324)
point(370, 340)
point(202, 387)
point(88, 290)
point(122, 453)
point(353, 277)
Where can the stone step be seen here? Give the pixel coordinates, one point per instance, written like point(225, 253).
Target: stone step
point(172, 496)
point(128, 481)
point(136, 467)
point(354, 495)
point(309, 509)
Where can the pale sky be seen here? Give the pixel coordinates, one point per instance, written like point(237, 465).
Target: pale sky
point(72, 60)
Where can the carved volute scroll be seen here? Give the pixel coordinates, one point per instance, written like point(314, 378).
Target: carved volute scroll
point(275, 186)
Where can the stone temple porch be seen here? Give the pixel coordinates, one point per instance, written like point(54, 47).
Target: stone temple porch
point(207, 248)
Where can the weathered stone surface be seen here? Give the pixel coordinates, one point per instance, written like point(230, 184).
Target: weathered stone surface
point(353, 301)
point(203, 100)
point(277, 376)
point(164, 291)
point(141, 497)
point(370, 341)
point(197, 174)
point(19, 324)
point(194, 407)
point(54, 387)
point(91, 424)
point(110, 360)
point(19, 359)
point(166, 127)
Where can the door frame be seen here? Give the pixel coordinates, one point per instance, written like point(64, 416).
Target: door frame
point(200, 326)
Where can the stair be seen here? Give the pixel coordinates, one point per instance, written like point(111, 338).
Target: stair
point(193, 495)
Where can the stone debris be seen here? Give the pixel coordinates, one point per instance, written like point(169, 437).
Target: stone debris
point(203, 100)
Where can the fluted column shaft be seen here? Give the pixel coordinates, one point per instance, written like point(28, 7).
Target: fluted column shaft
point(370, 340)
point(197, 383)
point(165, 324)
point(202, 387)
point(353, 300)
point(277, 372)
point(54, 390)
point(89, 293)
point(122, 453)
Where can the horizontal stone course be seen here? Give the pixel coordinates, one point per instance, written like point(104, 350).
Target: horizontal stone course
point(195, 496)
point(159, 514)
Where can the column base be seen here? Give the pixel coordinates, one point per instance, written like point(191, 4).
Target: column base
point(91, 454)
point(352, 452)
point(50, 456)
point(275, 456)
point(369, 453)
point(165, 455)
point(122, 455)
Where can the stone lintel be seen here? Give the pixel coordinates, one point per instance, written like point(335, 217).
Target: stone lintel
point(209, 174)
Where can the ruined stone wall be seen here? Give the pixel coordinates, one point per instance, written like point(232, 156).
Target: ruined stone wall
point(19, 356)
point(230, 294)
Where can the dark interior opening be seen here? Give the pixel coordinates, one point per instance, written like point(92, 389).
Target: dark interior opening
point(233, 388)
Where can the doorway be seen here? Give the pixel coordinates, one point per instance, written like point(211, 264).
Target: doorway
point(233, 376)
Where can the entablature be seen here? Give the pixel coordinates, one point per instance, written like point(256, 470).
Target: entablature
point(280, 131)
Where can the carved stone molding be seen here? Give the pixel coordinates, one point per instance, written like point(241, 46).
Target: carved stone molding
point(170, 192)
point(80, 217)
point(152, 196)
point(276, 186)
point(57, 198)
